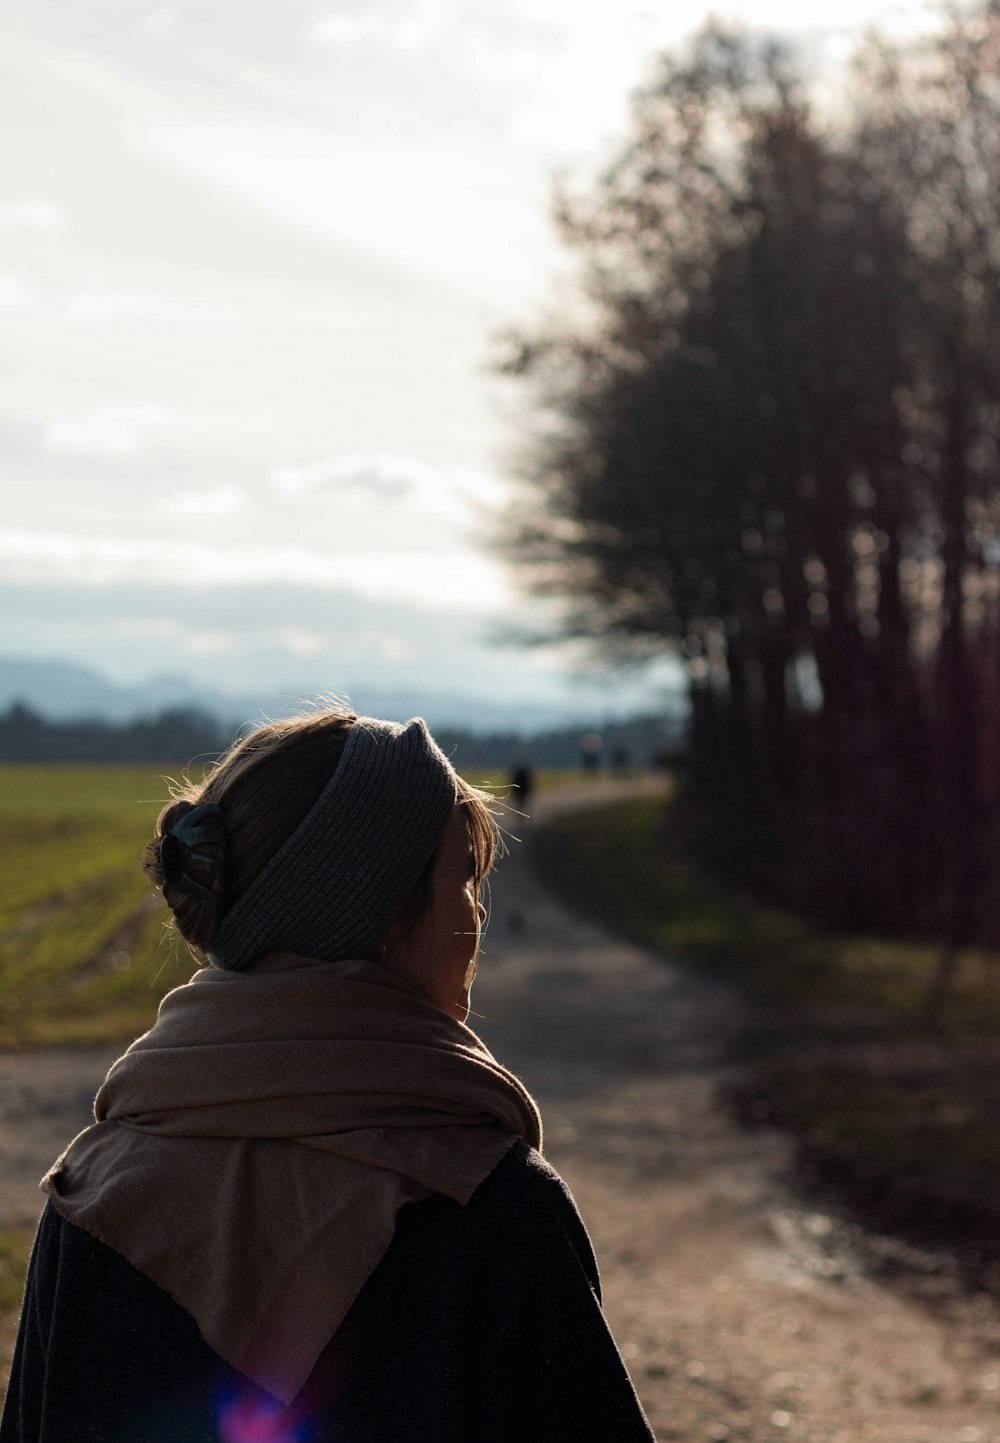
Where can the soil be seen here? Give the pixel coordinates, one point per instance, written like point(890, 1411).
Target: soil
point(744, 1310)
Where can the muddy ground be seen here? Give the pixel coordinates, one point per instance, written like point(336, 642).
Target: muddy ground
point(744, 1310)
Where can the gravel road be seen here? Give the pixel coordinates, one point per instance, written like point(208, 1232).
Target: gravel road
point(743, 1312)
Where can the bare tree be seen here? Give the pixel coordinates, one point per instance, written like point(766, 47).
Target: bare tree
point(769, 442)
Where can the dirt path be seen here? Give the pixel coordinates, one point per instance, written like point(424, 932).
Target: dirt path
point(743, 1313)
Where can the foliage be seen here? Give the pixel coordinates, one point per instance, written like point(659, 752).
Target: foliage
point(768, 440)
point(25, 736)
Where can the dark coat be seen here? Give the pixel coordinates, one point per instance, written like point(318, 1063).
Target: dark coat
point(482, 1324)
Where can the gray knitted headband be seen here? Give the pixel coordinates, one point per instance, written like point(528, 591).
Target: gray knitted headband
point(335, 885)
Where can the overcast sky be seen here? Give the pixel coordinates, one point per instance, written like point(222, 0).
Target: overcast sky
point(251, 256)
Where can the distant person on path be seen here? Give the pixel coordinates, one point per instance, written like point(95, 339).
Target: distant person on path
point(591, 744)
point(312, 1207)
point(522, 784)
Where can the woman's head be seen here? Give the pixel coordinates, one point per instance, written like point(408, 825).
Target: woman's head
point(321, 837)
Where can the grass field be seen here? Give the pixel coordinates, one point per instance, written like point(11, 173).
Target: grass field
point(896, 1112)
point(84, 952)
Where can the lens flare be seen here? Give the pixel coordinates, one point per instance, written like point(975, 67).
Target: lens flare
point(255, 1418)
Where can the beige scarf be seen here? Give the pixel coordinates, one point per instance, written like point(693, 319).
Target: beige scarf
point(252, 1150)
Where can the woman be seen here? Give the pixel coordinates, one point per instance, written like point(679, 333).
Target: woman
point(312, 1205)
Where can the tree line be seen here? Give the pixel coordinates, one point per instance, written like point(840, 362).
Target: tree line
point(174, 734)
point(185, 735)
point(764, 435)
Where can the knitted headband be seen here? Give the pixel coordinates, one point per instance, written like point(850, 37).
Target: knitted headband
point(337, 882)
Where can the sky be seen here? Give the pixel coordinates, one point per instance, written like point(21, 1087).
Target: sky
point(253, 255)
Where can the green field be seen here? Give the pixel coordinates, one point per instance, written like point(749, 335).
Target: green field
point(83, 955)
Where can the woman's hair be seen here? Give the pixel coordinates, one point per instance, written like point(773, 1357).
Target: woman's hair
point(265, 785)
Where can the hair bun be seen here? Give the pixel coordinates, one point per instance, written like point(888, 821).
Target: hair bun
point(188, 861)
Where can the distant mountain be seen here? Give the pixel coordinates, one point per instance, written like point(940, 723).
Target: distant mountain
point(62, 691)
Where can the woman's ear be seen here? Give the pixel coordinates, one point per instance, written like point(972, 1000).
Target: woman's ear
point(393, 940)
point(379, 950)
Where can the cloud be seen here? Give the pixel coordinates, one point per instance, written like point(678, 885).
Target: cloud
point(387, 646)
point(411, 29)
point(439, 202)
point(99, 434)
point(168, 631)
point(262, 81)
point(209, 643)
point(386, 477)
point(154, 628)
point(441, 580)
point(97, 307)
point(110, 430)
point(205, 505)
point(113, 429)
point(160, 22)
point(182, 633)
point(15, 295)
point(299, 641)
point(31, 215)
point(441, 498)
